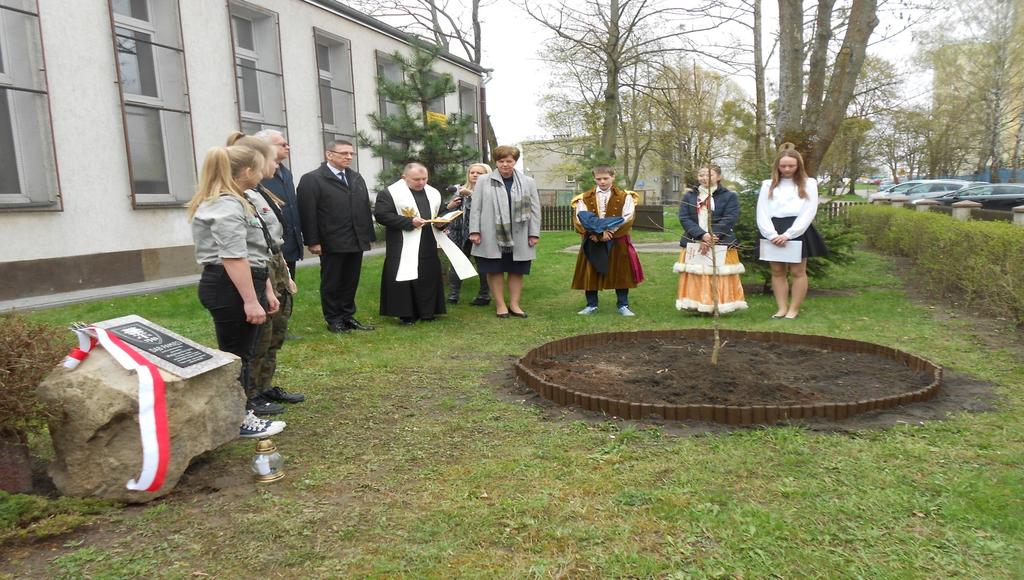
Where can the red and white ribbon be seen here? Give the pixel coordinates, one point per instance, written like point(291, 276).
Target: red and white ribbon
point(156, 448)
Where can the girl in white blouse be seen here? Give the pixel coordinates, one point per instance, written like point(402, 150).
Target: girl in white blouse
point(786, 206)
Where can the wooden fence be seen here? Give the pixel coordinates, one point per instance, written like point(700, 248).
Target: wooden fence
point(834, 209)
point(554, 218)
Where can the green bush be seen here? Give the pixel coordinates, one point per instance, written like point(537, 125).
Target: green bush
point(28, 352)
point(839, 236)
point(977, 263)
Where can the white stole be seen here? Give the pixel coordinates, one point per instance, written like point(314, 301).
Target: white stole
point(408, 264)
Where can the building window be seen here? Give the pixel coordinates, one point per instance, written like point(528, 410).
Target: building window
point(28, 179)
point(388, 68)
point(334, 82)
point(468, 106)
point(259, 80)
point(437, 105)
point(570, 179)
point(155, 104)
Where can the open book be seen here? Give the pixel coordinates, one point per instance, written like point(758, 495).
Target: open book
point(446, 218)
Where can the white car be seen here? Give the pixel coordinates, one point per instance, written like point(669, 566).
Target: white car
point(896, 188)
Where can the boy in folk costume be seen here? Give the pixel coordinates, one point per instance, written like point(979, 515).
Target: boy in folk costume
point(607, 259)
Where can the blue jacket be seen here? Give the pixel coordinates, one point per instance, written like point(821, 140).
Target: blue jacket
point(284, 188)
point(723, 218)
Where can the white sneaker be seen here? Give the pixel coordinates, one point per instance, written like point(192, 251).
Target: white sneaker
point(255, 428)
point(625, 311)
point(588, 310)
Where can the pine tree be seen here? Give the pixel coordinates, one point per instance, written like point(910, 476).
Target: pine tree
point(409, 135)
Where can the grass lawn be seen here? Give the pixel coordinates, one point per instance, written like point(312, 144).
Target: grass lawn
point(408, 459)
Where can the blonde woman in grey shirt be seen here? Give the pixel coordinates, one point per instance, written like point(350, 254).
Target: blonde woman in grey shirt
point(233, 245)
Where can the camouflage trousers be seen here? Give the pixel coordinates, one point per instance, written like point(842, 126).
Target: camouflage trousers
point(272, 333)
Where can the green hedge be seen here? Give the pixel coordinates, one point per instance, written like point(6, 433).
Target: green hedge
point(977, 263)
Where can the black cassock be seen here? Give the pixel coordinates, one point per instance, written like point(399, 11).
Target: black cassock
point(420, 298)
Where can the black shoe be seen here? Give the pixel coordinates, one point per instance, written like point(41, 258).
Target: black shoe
point(353, 324)
point(338, 327)
point(453, 298)
point(407, 321)
point(481, 301)
point(282, 396)
point(261, 406)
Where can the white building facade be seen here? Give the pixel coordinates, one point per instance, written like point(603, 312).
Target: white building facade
point(107, 108)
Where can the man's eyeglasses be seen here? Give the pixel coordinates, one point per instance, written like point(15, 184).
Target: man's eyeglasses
point(342, 153)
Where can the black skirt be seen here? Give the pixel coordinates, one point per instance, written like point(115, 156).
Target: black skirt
point(813, 244)
point(503, 264)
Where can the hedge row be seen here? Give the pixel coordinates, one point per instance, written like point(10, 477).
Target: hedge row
point(977, 263)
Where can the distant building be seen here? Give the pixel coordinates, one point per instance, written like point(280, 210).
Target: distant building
point(107, 108)
point(553, 163)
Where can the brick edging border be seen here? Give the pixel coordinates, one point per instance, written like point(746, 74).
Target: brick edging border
point(728, 414)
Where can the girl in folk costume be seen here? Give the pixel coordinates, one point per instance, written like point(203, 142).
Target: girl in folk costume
point(607, 259)
point(786, 207)
point(708, 214)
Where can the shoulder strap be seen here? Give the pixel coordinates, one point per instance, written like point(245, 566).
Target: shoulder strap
point(263, 226)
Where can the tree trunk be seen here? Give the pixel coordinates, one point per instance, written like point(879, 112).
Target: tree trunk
point(791, 72)
point(477, 47)
point(1018, 142)
point(845, 70)
point(611, 90)
point(817, 64)
point(761, 101)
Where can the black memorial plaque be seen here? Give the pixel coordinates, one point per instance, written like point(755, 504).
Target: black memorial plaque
point(160, 345)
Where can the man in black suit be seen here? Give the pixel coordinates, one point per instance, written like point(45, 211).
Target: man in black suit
point(334, 206)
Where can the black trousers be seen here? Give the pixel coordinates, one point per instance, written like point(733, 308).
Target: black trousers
point(339, 279)
point(217, 293)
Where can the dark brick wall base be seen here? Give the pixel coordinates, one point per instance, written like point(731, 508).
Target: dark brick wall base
point(50, 276)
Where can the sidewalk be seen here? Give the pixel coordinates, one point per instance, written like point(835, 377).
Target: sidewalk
point(149, 287)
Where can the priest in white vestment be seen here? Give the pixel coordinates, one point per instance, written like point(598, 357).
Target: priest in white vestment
point(411, 287)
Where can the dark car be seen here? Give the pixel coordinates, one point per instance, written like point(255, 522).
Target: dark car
point(1002, 196)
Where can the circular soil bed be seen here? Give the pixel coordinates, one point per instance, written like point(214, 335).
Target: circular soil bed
point(761, 377)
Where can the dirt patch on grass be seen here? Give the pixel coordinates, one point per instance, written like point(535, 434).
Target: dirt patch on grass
point(663, 372)
point(959, 393)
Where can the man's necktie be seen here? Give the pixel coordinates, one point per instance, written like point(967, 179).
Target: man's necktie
point(341, 176)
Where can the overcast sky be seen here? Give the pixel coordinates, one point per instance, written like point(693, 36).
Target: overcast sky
point(512, 41)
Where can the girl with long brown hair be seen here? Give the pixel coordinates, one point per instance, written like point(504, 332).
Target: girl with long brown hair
point(786, 207)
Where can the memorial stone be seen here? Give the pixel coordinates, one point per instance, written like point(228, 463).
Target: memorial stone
point(95, 429)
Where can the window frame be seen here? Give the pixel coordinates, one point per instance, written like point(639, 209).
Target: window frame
point(21, 201)
point(333, 42)
point(154, 200)
point(242, 10)
point(477, 121)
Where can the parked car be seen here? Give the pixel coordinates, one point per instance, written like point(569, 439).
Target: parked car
point(896, 188)
point(933, 188)
point(1001, 196)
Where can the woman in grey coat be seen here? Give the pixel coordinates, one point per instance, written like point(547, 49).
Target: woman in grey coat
point(504, 227)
